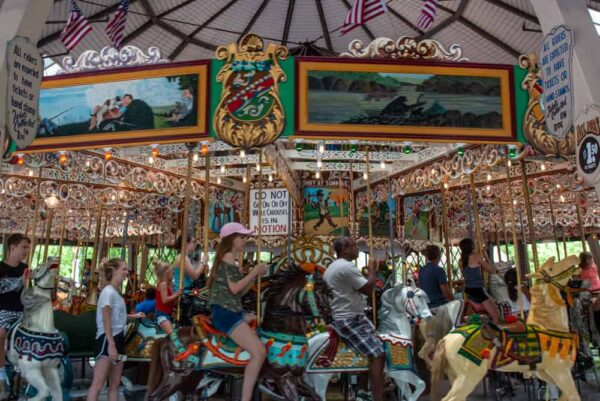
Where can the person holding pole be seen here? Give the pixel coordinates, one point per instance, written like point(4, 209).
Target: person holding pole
point(347, 307)
point(191, 273)
point(226, 285)
point(472, 263)
point(14, 275)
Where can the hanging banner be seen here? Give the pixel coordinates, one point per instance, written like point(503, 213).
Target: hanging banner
point(275, 211)
point(556, 68)
point(25, 71)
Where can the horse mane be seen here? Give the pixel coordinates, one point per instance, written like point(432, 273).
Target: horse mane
point(387, 300)
point(31, 302)
point(283, 277)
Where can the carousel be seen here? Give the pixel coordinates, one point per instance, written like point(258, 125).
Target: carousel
point(398, 145)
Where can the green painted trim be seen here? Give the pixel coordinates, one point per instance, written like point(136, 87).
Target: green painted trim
point(521, 101)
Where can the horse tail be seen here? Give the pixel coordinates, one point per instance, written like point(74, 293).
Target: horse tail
point(156, 369)
point(439, 366)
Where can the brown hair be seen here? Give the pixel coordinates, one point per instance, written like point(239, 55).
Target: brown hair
point(225, 246)
point(109, 266)
point(432, 253)
point(160, 268)
point(16, 239)
point(584, 259)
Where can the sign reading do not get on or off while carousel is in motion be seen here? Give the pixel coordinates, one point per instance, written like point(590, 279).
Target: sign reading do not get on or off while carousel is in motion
point(25, 69)
point(556, 67)
point(275, 211)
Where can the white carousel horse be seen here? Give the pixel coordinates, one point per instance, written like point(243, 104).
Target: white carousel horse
point(544, 345)
point(35, 346)
point(448, 316)
point(394, 330)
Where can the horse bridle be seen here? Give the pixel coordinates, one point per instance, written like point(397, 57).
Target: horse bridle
point(410, 302)
point(553, 280)
point(37, 279)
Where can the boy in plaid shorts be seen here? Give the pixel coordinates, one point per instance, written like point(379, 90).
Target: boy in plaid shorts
point(349, 286)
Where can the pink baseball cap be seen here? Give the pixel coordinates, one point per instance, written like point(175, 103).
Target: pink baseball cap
point(234, 228)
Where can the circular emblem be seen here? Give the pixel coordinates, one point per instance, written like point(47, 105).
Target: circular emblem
point(589, 156)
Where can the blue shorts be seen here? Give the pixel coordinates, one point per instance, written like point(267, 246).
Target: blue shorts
point(162, 317)
point(225, 320)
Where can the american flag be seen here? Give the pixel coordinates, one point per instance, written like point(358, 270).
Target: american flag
point(77, 27)
point(427, 15)
point(116, 25)
point(361, 12)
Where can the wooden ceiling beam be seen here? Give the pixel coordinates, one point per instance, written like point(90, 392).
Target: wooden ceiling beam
point(254, 18)
point(288, 22)
point(213, 17)
point(454, 16)
point(482, 32)
point(323, 21)
point(405, 20)
point(172, 30)
point(514, 10)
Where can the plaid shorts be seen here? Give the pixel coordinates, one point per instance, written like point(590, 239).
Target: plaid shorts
point(360, 335)
point(8, 318)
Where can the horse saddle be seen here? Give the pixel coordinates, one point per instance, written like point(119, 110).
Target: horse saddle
point(219, 347)
point(517, 327)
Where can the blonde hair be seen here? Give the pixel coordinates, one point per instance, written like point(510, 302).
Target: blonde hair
point(109, 266)
point(161, 268)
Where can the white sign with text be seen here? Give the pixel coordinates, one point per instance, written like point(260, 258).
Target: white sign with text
point(25, 71)
point(275, 211)
point(556, 68)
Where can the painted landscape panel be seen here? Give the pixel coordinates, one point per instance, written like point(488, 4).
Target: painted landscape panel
point(376, 98)
point(323, 208)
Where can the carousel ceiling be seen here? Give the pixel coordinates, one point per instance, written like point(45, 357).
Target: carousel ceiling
point(490, 31)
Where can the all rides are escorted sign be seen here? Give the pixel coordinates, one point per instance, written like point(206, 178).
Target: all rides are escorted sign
point(275, 211)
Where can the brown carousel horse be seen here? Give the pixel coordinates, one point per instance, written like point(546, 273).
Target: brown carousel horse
point(295, 294)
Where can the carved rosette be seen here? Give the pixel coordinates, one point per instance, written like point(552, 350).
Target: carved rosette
point(110, 57)
point(534, 123)
point(404, 48)
point(250, 113)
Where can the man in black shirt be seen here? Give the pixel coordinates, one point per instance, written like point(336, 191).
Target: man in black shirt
point(13, 275)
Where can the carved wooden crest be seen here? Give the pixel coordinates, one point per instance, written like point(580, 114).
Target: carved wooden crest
point(250, 113)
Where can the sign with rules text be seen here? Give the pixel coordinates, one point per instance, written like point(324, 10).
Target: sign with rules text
point(275, 211)
point(25, 71)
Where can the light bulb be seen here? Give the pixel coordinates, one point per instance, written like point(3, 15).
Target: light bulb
point(488, 188)
point(318, 174)
point(244, 179)
point(30, 172)
point(562, 198)
point(509, 163)
point(270, 178)
point(543, 166)
point(515, 202)
point(319, 163)
point(382, 164)
point(218, 180)
point(51, 201)
point(257, 166)
point(321, 148)
point(124, 214)
point(242, 153)
point(489, 177)
point(557, 186)
point(365, 175)
point(223, 169)
point(113, 198)
point(446, 186)
point(154, 150)
point(196, 157)
point(151, 160)
point(87, 163)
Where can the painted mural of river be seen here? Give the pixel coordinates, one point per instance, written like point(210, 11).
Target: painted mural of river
point(331, 107)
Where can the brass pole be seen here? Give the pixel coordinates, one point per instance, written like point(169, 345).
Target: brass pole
point(351, 208)
point(497, 237)
point(62, 235)
point(184, 225)
point(446, 230)
point(475, 211)
point(553, 219)
point(341, 204)
point(48, 234)
point(245, 212)
point(515, 239)
point(530, 223)
point(36, 211)
point(207, 206)
point(371, 248)
point(93, 284)
point(258, 239)
point(580, 222)
point(504, 231)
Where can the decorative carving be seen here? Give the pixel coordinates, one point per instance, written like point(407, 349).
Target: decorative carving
point(110, 57)
point(534, 125)
point(404, 48)
point(250, 113)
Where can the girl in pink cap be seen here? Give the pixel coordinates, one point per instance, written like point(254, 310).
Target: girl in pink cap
point(226, 286)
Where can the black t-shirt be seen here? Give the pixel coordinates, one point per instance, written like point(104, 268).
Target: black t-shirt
point(11, 285)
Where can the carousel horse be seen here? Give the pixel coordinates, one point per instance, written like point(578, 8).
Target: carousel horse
point(140, 335)
point(450, 315)
point(543, 345)
point(35, 346)
point(328, 355)
point(294, 295)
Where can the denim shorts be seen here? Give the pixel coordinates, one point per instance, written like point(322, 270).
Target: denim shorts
point(225, 320)
point(162, 317)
